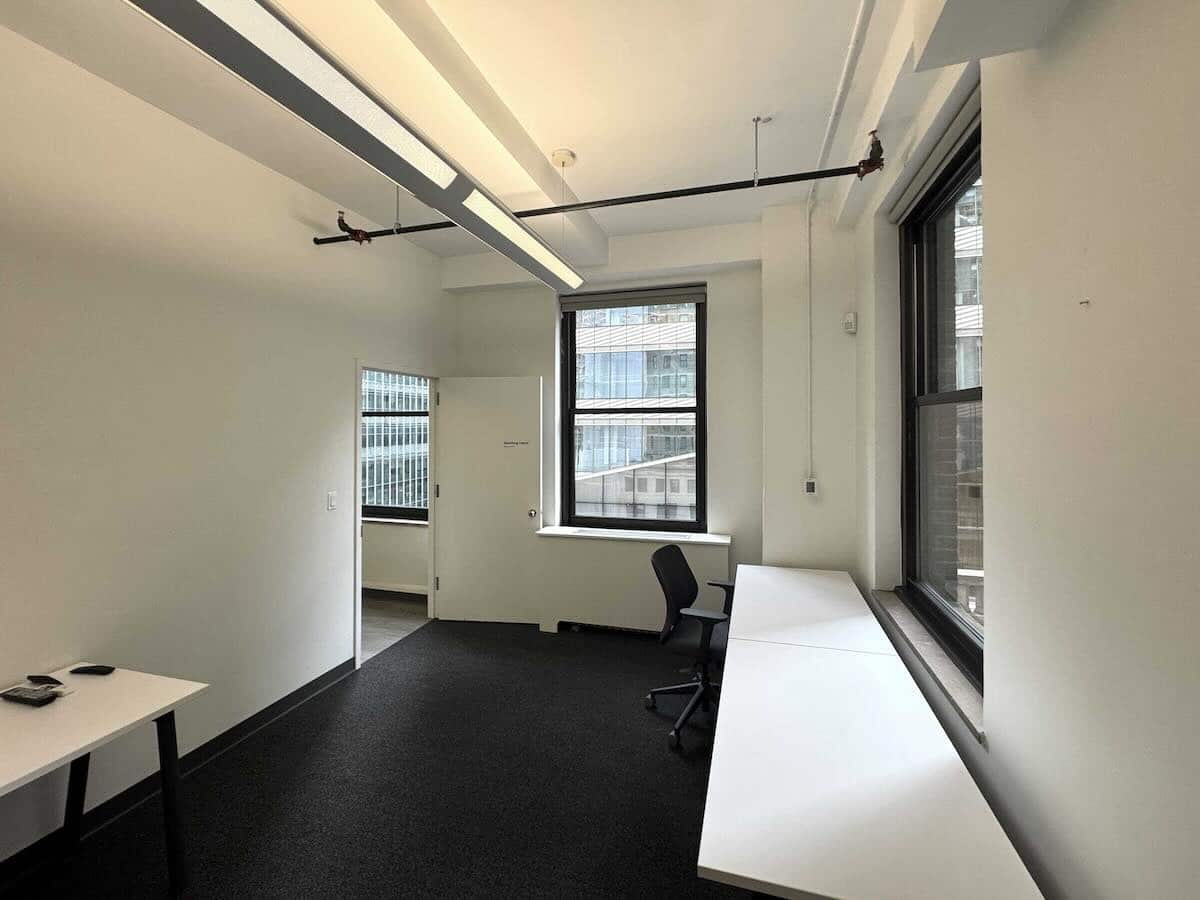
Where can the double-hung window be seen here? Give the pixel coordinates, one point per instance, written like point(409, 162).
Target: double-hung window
point(942, 247)
point(395, 446)
point(633, 409)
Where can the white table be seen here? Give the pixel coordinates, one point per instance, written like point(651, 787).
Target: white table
point(830, 775)
point(810, 607)
point(37, 740)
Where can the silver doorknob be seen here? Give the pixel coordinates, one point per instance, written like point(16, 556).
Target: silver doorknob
point(533, 514)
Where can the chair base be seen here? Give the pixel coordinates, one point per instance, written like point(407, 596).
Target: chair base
point(705, 694)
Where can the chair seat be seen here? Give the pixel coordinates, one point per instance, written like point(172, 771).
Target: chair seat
point(685, 639)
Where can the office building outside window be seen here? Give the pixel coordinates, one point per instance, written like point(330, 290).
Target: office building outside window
point(633, 409)
point(395, 446)
point(943, 328)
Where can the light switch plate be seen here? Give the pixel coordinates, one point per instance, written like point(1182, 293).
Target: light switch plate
point(331, 500)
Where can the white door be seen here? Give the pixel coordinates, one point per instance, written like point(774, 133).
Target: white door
point(488, 471)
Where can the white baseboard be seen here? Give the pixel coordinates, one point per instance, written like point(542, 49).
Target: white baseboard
point(396, 588)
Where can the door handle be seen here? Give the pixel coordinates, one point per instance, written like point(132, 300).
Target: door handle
point(533, 513)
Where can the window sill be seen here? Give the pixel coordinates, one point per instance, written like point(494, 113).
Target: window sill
point(915, 642)
point(649, 537)
point(376, 521)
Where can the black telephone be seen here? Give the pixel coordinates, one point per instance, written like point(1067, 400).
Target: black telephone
point(38, 696)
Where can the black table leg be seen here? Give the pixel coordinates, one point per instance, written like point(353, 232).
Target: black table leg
point(76, 791)
point(168, 764)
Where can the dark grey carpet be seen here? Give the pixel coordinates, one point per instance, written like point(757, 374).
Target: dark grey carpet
point(468, 760)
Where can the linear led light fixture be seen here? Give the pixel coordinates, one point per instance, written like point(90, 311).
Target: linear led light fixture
point(508, 226)
point(259, 45)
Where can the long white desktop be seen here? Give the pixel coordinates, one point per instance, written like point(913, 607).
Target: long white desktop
point(830, 775)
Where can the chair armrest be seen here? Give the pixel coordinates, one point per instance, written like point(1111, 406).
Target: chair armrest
point(727, 587)
point(708, 620)
point(704, 616)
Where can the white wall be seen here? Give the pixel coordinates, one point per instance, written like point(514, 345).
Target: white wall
point(597, 581)
point(799, 530)
point(1091, 434)
point(395, 557)
point(878, 441)
point(178, 395)
point(1090, 440)
point(514, 331)
point(509, 332)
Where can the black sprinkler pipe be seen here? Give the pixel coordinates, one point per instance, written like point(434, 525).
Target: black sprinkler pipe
point(623, 201)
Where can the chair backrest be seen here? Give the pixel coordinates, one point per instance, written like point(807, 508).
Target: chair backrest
point(678, 584)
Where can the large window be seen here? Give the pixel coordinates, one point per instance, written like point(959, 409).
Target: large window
point(942, 245)
point(395, 446)
point(633, 410)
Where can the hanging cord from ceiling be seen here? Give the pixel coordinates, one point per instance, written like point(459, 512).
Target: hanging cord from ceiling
point(564, 158)
point(758, 120)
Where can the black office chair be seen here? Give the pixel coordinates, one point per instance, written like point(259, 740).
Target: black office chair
point(701, 633)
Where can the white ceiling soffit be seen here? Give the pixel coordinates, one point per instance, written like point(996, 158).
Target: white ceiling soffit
point(678, 255)
point(115, 42)
point(887, 96)
point(589, 244)
point(654, 96)
point(946, 32)
point(273, 54)
point(118, 43)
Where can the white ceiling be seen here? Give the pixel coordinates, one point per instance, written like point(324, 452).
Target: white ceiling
point(650, 95)
point(659, 95)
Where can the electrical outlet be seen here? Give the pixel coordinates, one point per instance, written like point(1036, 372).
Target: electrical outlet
point(810, 487)
point(331, 500)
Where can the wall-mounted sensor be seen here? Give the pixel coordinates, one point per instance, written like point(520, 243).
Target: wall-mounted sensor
point(850, 323)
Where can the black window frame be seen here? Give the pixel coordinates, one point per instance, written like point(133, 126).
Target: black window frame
point(393, 513)
point(568, 412)
point(918, 323)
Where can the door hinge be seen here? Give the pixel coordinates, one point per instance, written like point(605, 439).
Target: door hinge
point(437, 583)
point(437, 398)
point(437, 490)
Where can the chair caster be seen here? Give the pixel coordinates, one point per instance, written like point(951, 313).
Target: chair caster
point(650, 701)
point(673, 739)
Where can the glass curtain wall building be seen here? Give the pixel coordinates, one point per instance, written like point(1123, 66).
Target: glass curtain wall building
point(395, 445)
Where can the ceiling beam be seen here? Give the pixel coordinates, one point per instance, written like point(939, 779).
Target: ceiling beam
point(264, 48)
point(946, 32)
point(652, 255)
point(880, 113)
point(430, 36)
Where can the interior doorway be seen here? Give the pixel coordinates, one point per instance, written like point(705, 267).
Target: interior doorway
point(393, 472)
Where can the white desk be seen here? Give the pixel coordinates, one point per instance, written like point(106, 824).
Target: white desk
point(830, 775)
point(37, 740)
point(811, 607)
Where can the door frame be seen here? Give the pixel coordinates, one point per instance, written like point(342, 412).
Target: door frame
point(357, 522)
